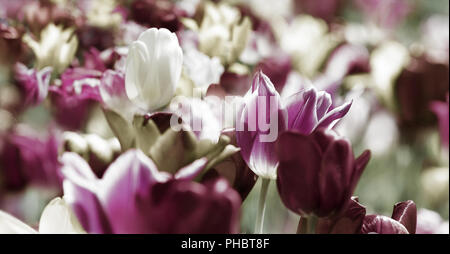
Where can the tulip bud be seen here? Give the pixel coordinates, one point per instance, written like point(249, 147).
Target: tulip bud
point(317, 173)
point(260, 122)
point(153, 69)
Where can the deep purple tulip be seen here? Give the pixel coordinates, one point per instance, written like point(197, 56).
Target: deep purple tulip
point(156, 13)
point(235, 84)
point(310, 109)
point(403, 220)
point(350, 222)
point(442, 112)
point(134, 197)
point(420, 83)
point(11, 46)
point(33, 83)
point(277, 68)
point(324, 9)
point(317, 173)
point(257, 142)
point(27, 159)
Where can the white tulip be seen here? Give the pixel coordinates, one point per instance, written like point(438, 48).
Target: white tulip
point(153, 68)
point(56, 48)
point(57, 218)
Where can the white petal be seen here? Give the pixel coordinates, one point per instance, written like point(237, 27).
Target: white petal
point(11, 225)
point(58, 218)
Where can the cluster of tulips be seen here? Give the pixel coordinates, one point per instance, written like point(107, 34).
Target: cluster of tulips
point(155, 116)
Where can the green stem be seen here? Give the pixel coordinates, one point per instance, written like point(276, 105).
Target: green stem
point(311, 224)
point(261, 206)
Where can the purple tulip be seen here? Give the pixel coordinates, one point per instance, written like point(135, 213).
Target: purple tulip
point(310, 109)
point(317, 173)
point(72, 100)
point(34, 83)
point(419, 84)
point(11, 46)
point(442, 112)
point(262, 118)
point(385, 13)
point(277, 68)
point(134, 197)
point(403, 220)
point(156, 13)
point(324, 9)
point(350, 222)
point(28, 159)
point(347, 59)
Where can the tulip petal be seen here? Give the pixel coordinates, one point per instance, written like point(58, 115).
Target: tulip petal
point(406, 213)
point(380, 224)
point(127, 178)
point(80, 186)
point(301, 108)
point(58, 218)
point(336, 171)
point(297, 178)
point(349, 222)
point(333, 116)
point(11, 225)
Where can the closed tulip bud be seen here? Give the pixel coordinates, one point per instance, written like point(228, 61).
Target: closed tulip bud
point(153, 69)
point(317, 173)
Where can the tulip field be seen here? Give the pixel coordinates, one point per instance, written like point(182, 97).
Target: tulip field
point(224, 117)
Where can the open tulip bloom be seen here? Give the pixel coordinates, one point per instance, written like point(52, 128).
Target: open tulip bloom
point(194, 117)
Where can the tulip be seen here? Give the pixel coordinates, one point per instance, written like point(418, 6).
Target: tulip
point(262, 118)
point(350, 222)
point(56, 48)
point(133, 196)
point(26, 158)
point(156, 13)
point(310, 109)
point(403, 220)
point(317, 173)
point(57, 218)
point(34, 83)
point(417, 86)
point(72, 99)
point(153, 69)
point(324, 9)
point(202, 69)
point(11, 46)
point(223, 33)
point(277, 68)
point(353, 220)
